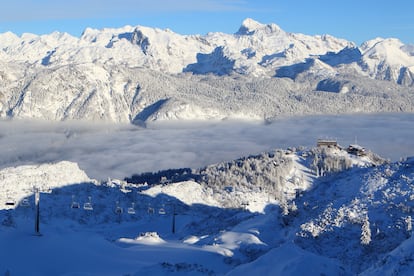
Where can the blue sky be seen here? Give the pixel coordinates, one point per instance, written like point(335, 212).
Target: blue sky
point(355, 20)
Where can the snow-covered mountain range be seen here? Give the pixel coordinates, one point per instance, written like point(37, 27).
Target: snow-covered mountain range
point(326, 210)
point(139, 74)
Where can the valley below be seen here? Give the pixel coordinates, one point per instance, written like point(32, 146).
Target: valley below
point(120, 150)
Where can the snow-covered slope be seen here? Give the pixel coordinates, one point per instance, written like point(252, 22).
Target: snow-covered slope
point(330, 211)
point(388, 59)
point(136, 73)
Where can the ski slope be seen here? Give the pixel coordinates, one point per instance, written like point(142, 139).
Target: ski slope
point(184, 228)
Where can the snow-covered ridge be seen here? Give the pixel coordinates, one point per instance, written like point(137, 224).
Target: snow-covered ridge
point(166, 51)
point(137, 73)
point(255, 49)
point(17, 183)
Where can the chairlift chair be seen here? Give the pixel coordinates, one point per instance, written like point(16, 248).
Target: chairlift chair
point(151, 210)
point(118, 209)
point(161, 211)
point(25, 202)
point(131, 210)
point(75, 204)
point(88, 205)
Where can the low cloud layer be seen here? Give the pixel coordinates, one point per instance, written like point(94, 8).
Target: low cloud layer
point(117, 151)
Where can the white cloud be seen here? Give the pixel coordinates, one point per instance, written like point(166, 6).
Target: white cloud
point(119, 151)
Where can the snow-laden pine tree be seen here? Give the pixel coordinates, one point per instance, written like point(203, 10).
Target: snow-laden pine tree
point(365, 232)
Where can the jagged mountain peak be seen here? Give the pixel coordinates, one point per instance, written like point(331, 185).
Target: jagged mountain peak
point(7, 37)
point(99, 67)
point(370, 43)
point(390, 50)
point(103, 36)
point(380, 41)
point(388, 59)
point(250, 26)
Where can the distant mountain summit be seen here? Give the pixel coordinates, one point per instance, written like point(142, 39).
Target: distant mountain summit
point(136, 72)
point(250, 26)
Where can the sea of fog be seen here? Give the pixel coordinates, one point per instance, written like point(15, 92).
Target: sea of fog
point(117, 151)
